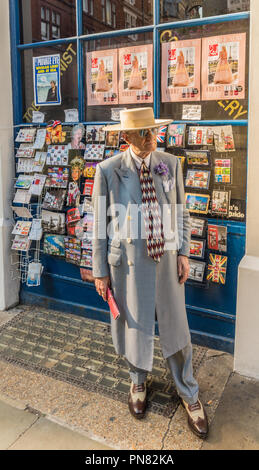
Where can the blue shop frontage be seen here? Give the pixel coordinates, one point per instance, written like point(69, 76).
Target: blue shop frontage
point(75, 64)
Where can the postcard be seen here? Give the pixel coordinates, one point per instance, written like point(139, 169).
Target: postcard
point(36, 230)
point(112, 139)
point(102, 77)
point(37, 184)
point(197, 179)
point(24, 181)
point(197, 248)
point(223, 67)
point(94, 152)
point(40, 139)
point(223, 170)
point(176, 135)
point(21, 243)
point(26, 134)
point(110, 153)
point(198, 203)
point(197, 269)
point(54, 245)
point(220, 202)
point(217, 268)
point(198, 227)
point(217, 237)
point(22, 196)
point(22, 211)
point(57, 155)
point(53, 222)
point(25, 151)
point(136, 74)
point(181, 70)
point(57, 177)
point(198, 157)
point(223, 139)
point(54, 199)
point(46, 79)
point(95, 134)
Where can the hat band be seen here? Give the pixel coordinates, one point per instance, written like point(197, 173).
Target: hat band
point(131, 123)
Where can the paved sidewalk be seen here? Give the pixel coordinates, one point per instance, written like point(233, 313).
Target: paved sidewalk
point(40, 412)
point(25, 429)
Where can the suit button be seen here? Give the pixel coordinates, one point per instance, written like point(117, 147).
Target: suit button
point(129, 240)
point(130, 263)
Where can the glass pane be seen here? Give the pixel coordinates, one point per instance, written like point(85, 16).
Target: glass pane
point(55, 32)
point(103, 112)
point(42, 13)
point(44, 30)
point(177, 10)
point(31, 13)
point(68, 88)
point(230, 106)
point(102, 19)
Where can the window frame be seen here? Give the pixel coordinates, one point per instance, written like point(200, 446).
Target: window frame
point(156, 28)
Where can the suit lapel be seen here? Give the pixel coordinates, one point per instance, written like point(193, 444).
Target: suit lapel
point(129, 177)
point(158, 181)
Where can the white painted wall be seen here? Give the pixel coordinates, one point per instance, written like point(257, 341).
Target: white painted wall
point(9, 288)
point(246, 357)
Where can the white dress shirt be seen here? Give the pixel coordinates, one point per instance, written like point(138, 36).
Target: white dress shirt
point(139, 160)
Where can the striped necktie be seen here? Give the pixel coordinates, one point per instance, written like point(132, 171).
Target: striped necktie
point(152, 216)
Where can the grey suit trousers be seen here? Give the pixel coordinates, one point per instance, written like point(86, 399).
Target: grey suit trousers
point(180, 365)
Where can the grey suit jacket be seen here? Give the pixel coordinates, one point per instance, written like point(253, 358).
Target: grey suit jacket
point(140, 285)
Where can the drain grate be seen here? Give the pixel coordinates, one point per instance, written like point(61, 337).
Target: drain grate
point(80, 351)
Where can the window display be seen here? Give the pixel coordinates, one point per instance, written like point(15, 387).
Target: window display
point(195, 74)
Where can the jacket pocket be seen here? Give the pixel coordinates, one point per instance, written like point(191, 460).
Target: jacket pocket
point(114, 256)
point(114, 242)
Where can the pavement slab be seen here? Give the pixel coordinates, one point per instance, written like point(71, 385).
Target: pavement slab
point(235, 425)
point(103, 419)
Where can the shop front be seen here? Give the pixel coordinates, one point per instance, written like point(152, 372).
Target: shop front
point(75, 64)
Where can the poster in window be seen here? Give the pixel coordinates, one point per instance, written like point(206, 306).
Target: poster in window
point(46, 78)
point(102, 80)
point(136, 74)
point(223, 67)
point(181, 70)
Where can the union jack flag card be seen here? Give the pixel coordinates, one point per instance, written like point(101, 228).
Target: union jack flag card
point(217, 268)
point(161, 134)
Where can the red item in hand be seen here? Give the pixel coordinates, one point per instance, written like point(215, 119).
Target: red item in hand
point(112, 304)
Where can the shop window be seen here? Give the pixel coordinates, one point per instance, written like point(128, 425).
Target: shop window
point(108, 12)
point(177, 10)
point(233, 106)
point(55, 25)
point(45, 23)
point(41, 20)
point(114, 15)
point(117, 14)
point(130, 19)
point(88, 7)
point(68, 82)
point(103, 113)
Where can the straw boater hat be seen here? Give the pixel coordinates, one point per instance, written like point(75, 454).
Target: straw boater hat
point(136, 119)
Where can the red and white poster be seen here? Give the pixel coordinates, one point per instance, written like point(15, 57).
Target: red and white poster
point(223, 67)
point(181, 63)
point(136, 74)
point(102, 79)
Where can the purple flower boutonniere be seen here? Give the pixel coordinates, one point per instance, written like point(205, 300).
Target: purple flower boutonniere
point(163, 170)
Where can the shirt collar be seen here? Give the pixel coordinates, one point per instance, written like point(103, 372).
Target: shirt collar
point(139, 160)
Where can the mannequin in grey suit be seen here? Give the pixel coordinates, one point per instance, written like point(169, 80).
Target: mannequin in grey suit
point(143, 288)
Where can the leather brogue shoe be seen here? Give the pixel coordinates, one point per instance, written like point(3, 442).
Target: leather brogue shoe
point(197, 418)
point(138, 400)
